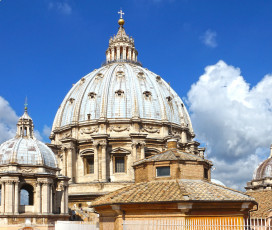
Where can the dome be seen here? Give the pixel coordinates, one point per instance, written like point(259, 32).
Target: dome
point(263, 170)
point(121, 91)
point(26, 151)
point(24, 148)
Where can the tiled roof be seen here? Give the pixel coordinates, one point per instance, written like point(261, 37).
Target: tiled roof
point(172, 154)
point(264, 200)
point(170, 191)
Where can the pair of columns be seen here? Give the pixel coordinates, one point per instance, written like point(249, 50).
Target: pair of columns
point(113, 55)
point(10, 197)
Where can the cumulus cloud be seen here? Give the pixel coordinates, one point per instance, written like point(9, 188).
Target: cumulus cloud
point(46, 130)
point(8, 120)
point(209, 38)
point(233, 120)
point(62, 7)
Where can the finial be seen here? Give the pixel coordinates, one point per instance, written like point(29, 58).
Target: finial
point(26, 104)
point(121, 21)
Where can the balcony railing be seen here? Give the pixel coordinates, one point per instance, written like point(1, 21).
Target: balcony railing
point(122, 61)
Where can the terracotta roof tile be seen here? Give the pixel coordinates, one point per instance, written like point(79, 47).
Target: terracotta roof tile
point(264, 200)
point(172, 155)
point(171, 190)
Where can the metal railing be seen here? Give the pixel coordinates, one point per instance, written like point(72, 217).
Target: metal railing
point(198, 224)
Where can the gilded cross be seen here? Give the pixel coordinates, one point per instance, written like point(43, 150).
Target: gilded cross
point(121, 13)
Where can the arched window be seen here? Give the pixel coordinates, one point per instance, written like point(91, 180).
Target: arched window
point(26, 195)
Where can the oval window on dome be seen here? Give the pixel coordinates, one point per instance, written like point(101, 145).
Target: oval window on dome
point(141, 75)
point(147, 94)
point(119, 92)
point(92, 95)
point(169, 99)
point(71, 100)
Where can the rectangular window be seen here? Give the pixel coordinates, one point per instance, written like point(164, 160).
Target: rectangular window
point(206, 173)
point(163, 171)
point(119, 164)
point(90, 165)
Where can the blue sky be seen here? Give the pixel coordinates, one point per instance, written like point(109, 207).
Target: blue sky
point(47, 45)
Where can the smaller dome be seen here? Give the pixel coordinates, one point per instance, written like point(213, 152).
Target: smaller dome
point(24, 148)
point(263, 170)
point(26, 151)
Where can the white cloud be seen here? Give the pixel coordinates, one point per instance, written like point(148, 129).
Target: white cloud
point(8, 120)
point(62, 7)
point(209, 38)
point(234, 121)
point(46, 130)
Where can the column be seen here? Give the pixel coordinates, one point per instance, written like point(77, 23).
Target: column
point(108, 55)
point(142, 150)
point(45, 198)
point(112, 54)
point(70, 162)
point(183, 136)
point(50, 198)
point(118, 53)
point(64, 163)
point(66, 199)
point(38, 198)
point(16, 198)
point(125, 53)
point(134, 151)
point(96, 162)
point(130, 170)
point(133, 55)
point(104, 162)
point(9, 197)
point(3, 198)
point(62, 204)
point(129, 53)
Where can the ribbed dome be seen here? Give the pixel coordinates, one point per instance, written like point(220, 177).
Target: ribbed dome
point(121, 91)
point(264, 170)
point(26, 151)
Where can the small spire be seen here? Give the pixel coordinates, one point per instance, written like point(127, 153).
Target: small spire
point(26, 104)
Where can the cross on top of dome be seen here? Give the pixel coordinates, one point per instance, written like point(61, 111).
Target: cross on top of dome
point(121, 13)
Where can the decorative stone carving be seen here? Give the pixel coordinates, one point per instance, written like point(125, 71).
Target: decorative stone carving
point(66, 135)
point(27, 170)
point(3, 170)
point(119, 128)
point(89, 130)
point(150, 129)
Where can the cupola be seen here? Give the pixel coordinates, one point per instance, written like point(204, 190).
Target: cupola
point(25, 125)
point(121, 46)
